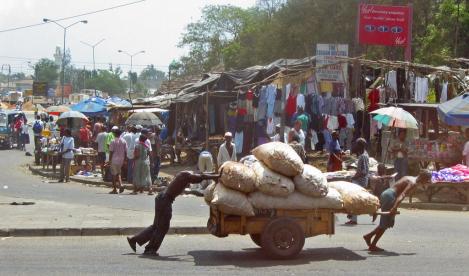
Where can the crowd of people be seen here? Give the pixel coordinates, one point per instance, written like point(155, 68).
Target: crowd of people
point(135, 147)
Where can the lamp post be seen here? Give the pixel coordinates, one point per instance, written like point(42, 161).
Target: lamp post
point(46, 20)
point(130, 72)
point(9, 73)
point(94, 64)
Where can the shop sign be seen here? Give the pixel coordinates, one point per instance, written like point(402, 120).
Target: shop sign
point(384, 25)
point(331, 74)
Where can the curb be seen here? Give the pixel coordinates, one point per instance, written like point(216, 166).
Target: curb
point(106, 231)
point(435, 206)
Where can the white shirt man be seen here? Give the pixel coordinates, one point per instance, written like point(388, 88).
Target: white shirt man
point(223, 153)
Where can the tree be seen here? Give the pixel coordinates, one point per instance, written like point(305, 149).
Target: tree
point(108, 81)
point(46, 70)
point(151, 78)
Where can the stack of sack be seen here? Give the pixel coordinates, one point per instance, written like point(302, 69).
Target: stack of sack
point(274, 177)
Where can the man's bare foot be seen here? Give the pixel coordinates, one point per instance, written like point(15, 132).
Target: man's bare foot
point(367, 240)
point(375, 249)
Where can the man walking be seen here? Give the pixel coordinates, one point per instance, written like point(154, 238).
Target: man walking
point(130, 138)
point(390, 200)
point(100, 141)
point(67, 146)
point(117, 153)
point(163, 212)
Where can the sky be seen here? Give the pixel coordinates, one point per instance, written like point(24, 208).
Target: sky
point(154, 26)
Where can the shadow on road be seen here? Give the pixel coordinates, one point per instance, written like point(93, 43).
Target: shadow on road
point(256, 258)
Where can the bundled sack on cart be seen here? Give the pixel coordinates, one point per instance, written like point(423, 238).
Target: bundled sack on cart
point(311, 182)
point(238, 177)
point(357, 200)
point(229, 201)
point(296, 201)
point(270, 182)
point(279, 157)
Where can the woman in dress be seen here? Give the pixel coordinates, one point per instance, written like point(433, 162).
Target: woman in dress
point(141, 175)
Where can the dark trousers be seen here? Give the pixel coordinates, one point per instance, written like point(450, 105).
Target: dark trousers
point(155, 233)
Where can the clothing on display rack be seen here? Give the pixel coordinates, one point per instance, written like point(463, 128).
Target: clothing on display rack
point(238, 140)
point(421, 89)
point(444, 92)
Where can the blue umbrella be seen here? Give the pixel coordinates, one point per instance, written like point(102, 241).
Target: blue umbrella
point(455, 112)
point(91, 107)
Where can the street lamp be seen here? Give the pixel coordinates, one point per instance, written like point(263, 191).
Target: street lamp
point(46, 20)
point(9, 73)
point(130, 72)
point(94, 64)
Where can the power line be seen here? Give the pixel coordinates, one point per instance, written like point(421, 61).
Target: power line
point(70, 17)
point(88, 62)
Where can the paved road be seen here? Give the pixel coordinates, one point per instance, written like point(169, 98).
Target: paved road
point(423, 243)
point(17, 181)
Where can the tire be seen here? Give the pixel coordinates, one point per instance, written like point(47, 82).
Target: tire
point(256, 238)
point(282, 238)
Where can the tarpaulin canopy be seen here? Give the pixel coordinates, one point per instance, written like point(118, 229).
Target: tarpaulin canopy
point(91, 107)
point(116, 101)
point(455, 112)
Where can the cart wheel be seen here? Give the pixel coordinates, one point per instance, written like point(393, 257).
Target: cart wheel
point(256, 238)
point(282, 238)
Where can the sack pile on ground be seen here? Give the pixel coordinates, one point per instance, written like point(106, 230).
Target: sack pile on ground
point(274, 177)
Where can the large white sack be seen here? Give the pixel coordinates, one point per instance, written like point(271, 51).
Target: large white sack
point(238, 177)
point(296, 201)
point(208, 192)
point(311, 182)
point(272, 183)
point(280, 158)
point(231, 202)
point(357, 200)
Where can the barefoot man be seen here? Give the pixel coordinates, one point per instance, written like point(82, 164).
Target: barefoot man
point(155, 233)
point(390, 200)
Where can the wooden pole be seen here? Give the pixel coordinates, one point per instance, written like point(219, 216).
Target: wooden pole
point(207, 124)
point(284, 96)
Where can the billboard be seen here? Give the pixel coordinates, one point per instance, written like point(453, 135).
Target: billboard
point(384, 25)
point(67, 91)
point(333, 78)
point(40, 88)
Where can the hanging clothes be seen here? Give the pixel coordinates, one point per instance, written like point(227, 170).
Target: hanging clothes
point(270, 98)
point(373, 98)
point(300, 101)
point(290, 107)
point(444, 92)
point(391, 80)
point(421, 89)
point(238, 140)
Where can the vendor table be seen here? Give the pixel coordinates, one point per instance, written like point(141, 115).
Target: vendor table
point(50, 158)
point(462, 189)
point(89, 158)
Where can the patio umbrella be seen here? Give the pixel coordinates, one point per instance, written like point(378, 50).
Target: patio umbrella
point(455, 112)
point(144, 119)
point(395, 117)
point(91, 107)
point(71, 118)
point(57, 109)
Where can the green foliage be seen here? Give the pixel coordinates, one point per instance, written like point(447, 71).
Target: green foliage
point(46, 70)
point(237, 38)
point(108, 81)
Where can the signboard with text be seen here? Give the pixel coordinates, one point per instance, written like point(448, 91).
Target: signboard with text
point(330, 75)
point(40, 88)
point(384, 25)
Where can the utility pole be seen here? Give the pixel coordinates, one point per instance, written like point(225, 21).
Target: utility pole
point(94, 63)
point(46, 20)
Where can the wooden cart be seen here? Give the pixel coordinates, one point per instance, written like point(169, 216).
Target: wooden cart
point(280, 233)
